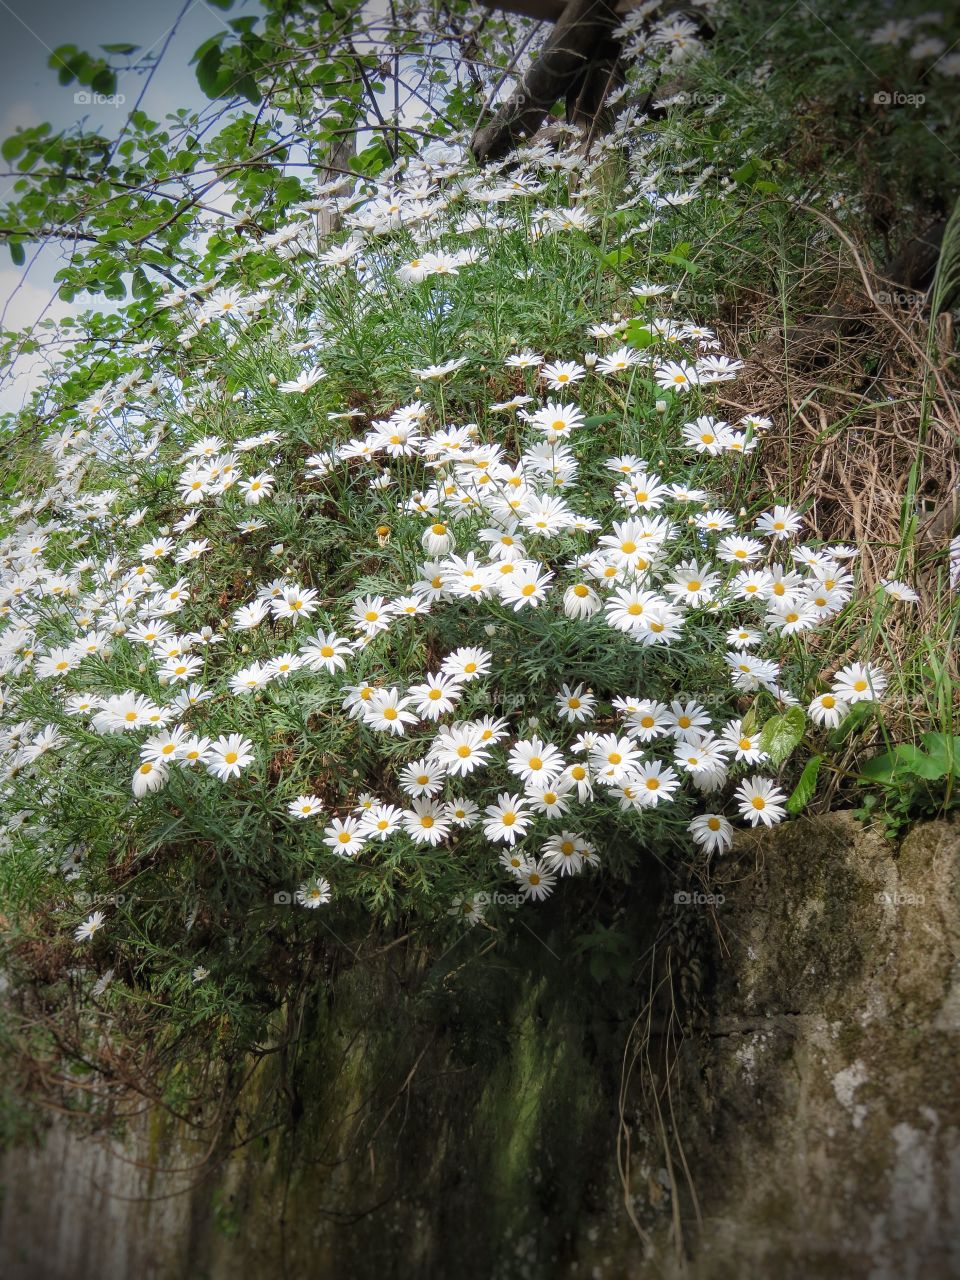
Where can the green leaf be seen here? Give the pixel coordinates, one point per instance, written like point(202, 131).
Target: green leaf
point(746, 171)
point(749, 721)
point(935, 759)
point(803, 791)
point(208, 71)
point(781, 734)
point(371, 160)
point(623, 253)
point(104, 81)
point(12, 147)
point(246, 86)
point(638, 335)
point(679, 260)
point(858, 715)
point(122, 48)
point(17, 253)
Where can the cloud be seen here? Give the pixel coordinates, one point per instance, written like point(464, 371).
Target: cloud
point(19, 115)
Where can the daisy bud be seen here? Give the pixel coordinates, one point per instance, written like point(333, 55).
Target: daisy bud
point(237, 395)
point(141, 669)
point(490, 629)
point(590, 359)
point(272, 379)
point(661, 406)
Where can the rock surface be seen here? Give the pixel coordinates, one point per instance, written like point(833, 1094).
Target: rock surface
point(798, 1118)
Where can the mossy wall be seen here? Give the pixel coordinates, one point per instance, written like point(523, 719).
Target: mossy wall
point(463, 1120)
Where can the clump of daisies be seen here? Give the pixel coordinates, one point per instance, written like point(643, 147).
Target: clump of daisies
point(439, 644)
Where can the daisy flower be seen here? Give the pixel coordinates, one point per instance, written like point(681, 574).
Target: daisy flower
point(712, 832)
point(326, 652)
point(93, 924)
point(563, 852)
point(228, 756)
point(467, 664)
point(149, 776)
point(760, 800)
point(306, 806)
point(745, 746)
point(507, 819)
point(557, 421)
point(575, 704)
point(673, 376)
point(562, 374)
point(526, 587)
point(381, 821)
point(899, 590)
point(302, 382)
point(550, 797)
point(344, 837)
point(436, 695)
point(859, 682)
point(532, 760)
point(295, 603)
point(581, 601)
point(462, 812)
point(523, 360)
point(536, 881)
point(779, 523)
point(313, 893)
point(422, 777)
point(426, 822)
point(613, 757)
point(387, 712)
point(828, 710)
point(654, 782)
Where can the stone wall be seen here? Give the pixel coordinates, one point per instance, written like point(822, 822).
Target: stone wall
point(464, 1121)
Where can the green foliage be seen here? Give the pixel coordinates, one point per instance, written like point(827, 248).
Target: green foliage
point(781, 734)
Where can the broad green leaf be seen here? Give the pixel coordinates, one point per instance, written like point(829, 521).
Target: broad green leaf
point(807, 784)
point(638, 335)
point(623, 253)
point(938, 757)
point(781, 734)
point(208, 71)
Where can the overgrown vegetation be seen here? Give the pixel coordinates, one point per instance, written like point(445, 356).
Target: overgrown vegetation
point(440, 439)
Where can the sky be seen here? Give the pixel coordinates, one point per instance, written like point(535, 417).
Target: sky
point(30, 94)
